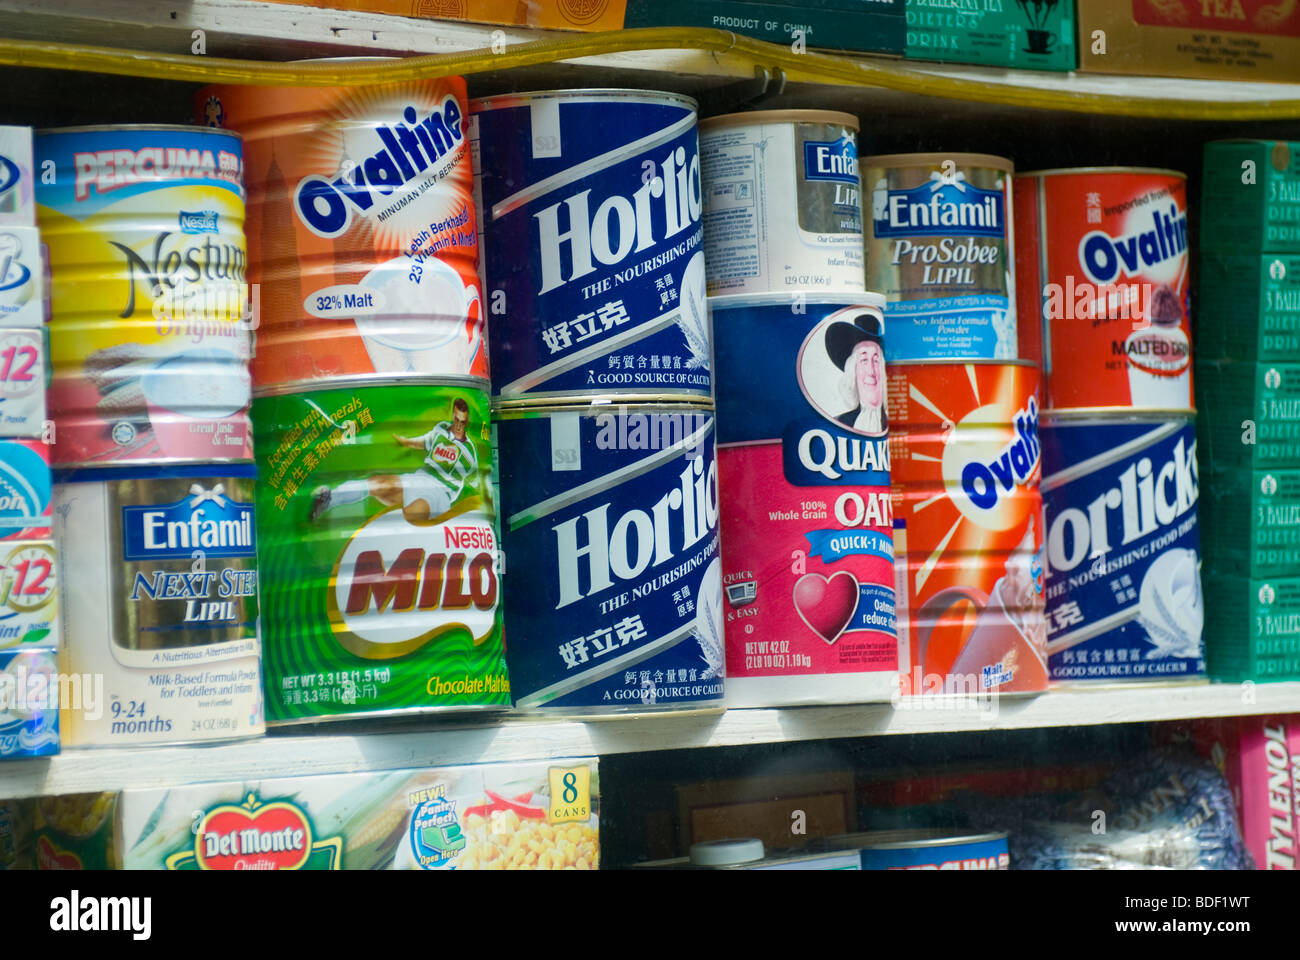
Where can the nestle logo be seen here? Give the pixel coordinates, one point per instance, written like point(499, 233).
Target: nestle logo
point(198, 221)
point(468, 538)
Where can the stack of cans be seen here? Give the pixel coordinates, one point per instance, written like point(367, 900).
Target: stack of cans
point(1102, 271)
point(601, 390)
point(380, 560)
point(1248, 370)
point(149, 397)
point(963, 408)
point(29, 600)
point(803, 459)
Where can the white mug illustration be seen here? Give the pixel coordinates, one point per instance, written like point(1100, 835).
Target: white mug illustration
point(421, 326)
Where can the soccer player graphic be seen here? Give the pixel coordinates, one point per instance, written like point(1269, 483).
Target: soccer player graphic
point(450, 469)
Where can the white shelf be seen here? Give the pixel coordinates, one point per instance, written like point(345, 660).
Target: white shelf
point(285, 755)
point(276, 31)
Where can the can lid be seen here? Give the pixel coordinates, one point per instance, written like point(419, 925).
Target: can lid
point(1068, 171)
point(388, 381)
point(504, 100)
point(787, 298)
point(938, 159)
point(779, 116)
point(721, 853)
point(1115, 414)
point(141, 128)
point(522, 409)
point(906, 839)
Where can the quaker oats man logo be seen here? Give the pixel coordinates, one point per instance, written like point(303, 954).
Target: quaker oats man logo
point(1268, 486)
point(841, 370)
point(1272, 379)
point(1277, 270)
point(1266, 594)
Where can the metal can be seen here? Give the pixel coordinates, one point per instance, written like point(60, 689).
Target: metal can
point(807, 521)
point(1102, 262)
point(29, 703)
point(593, 246)
point(750, 854)
point(965, 461)
point(616, 508)
point(782, 202)
point(361, 227)
point(380, 563)
point(927, 850)
point(1123, 582)
point(29, 595)
point(165, 609)
point(25, 503)
point(148, 342)
point(939, 247)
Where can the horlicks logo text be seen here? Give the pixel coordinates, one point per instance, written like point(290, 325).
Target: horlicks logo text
point(1104, 257)
point(662, 207)
point(679, 519)
point(831, 160)
point(987, 482)
point(1145, 499)
point(207, 521)
point(405, 152)
point(940, 207)
point(833, 457)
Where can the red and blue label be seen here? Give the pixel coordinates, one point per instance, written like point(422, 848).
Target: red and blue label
point(807, 522)
point(990, 854)
point(593, 246)
point(1123, 587)
point(614, 516)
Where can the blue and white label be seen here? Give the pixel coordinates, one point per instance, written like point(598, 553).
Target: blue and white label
point(207, 521)
point(24, 490)
point(29, 703)
point(835, 160)
point(951, 328)
point(988, 854)
point(593, 247)
point(944, 207)
point(1123, 587)
point(624, 605)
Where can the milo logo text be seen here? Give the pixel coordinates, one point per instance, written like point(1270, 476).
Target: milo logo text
point(1146, 497)
point(405, 151)
point(1104, 258)
point(662, 207)
point(397, 585)
point(986, 482)
point(679, 519)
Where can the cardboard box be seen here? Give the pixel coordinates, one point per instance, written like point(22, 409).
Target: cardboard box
point(1000, 33)
point(862, 25)
point(1250, 523)
point(22, 277)
point(494, 816)
point(1252, 628)
point(23, 375)
point(1210, 39)
point(29, 703)
point(1249, 307)
point(17, 200)
point(1250, 197)
point(786, 811)
point(1248, 414)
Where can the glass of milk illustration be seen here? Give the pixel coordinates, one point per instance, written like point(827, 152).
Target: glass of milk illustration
point(421, 326)
point(1159, 357)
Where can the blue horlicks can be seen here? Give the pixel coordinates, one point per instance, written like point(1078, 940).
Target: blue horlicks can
point(592, 247)
point(1123, 578)
point(613, 513)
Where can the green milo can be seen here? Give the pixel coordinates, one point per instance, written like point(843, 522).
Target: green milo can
point(379, 558)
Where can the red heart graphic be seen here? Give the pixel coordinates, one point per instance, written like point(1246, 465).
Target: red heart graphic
point(50, 857)
point(276, 837)
point(826, 604)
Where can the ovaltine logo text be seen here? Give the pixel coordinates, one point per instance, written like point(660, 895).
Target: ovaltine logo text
point(1104, 257)
point(406, 151)
point(985, 482)
point(662, 207)
point(679, 519)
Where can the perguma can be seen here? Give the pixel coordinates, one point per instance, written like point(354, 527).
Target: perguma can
point(380, 563)
point(593, 247)
point(1102, 271)
point(940, 245)
point(613, 511)
point(782, 202)
point(149, 342)
point(807, 521)
point(927, 850)
point(968, 527)
point(361, 229)
point(1123, 581)
point(165, 607)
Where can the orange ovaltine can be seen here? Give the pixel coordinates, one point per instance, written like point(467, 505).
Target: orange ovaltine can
point(362, 236)
point(968, 528)
point(1101, 286)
